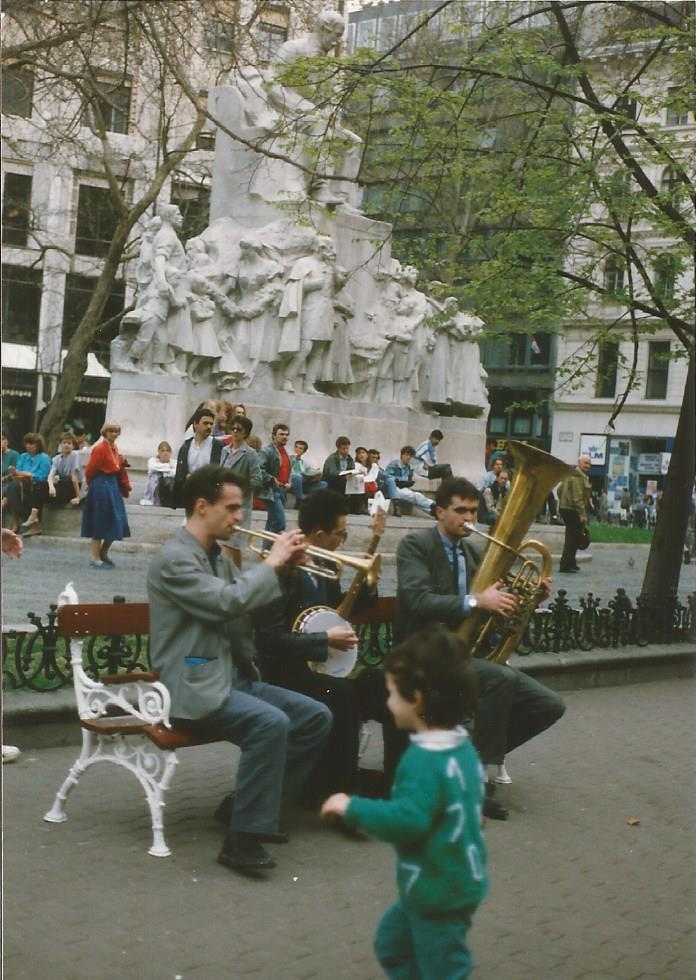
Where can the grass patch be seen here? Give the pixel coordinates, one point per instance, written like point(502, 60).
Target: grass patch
point(613, 534)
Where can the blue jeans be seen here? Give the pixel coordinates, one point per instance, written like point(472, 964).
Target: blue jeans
point(275, 519)
point(392, 492)
point(302, 488)
point(410, 946)
point(281, 735)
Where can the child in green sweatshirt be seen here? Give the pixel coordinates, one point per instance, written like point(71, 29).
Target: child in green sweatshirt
point(434, 815)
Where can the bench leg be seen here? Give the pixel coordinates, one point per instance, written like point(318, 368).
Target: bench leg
point(57, 812)
point(151, 766)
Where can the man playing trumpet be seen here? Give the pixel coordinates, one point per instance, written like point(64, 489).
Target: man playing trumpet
point(201, 642)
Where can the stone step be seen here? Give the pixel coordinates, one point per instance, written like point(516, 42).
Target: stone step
point(153, 525)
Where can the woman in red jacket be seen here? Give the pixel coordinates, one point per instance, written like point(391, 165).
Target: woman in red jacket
point(104, 515)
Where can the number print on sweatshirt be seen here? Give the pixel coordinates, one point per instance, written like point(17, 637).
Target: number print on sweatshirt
point(415, 871)
point(454, 772)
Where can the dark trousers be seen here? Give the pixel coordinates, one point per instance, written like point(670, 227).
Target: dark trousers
point(23, 495)
point(573, 529)
point(443, 470)
point(512, 708)
point(351, 701)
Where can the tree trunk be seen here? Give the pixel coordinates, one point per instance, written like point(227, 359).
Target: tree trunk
point(661, 579)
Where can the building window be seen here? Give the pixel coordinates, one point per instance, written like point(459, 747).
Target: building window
point(96, 221)
point(219, 35)
point(269, 38)
point(676, 115)
point(78, 293)
point(193, 201)
point(627, 109)
point(665, 276)
point(17, 92)
point(206, 138)
point(21, 304)
point(670, 182)
point(614, 275)
point(607, 369)
point(658, 369)
point(109, 107)
point(16, 207)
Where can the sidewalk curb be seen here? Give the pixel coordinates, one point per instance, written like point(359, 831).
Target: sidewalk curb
point(49, 720)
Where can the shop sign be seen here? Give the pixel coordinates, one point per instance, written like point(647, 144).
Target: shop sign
point(650, 462)
point(595, 447)
point(619, 467)
point(664, 464)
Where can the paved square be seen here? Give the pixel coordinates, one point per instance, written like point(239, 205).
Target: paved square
point(576, 893)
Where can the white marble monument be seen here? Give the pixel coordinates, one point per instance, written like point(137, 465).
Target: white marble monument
point(290, 300)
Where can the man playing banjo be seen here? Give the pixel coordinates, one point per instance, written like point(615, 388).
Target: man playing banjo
point(287, 657)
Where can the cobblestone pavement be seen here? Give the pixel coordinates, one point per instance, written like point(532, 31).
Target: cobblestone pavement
point(576, 892)
point(35, 581)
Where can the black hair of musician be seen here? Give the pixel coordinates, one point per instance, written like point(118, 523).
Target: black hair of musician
point(320, 511)
point(241, 420)
point(407, 449)
point(207, 482)
point(438, 434)
point(201, 413)
point(436, 664)
point(455, 486)
point(280, 426)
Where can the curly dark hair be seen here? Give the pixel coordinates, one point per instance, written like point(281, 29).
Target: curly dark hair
point(436, 664)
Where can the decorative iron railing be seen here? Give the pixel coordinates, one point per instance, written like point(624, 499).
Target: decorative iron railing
point(38, 659)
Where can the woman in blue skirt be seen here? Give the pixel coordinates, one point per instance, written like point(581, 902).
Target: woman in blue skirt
point(104, 515)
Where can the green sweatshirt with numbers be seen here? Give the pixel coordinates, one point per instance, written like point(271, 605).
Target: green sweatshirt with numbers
point(434, 821)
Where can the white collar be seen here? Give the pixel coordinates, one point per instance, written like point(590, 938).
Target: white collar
point(440, 740)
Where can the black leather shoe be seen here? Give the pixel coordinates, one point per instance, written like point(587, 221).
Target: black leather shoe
point(223, 815)
point(493, 808)
point(243, 852)
point(568, 571)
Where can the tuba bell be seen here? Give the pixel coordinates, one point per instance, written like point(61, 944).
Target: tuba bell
point(507, 558)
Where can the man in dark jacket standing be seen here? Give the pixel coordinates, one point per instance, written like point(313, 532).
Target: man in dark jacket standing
point(574, 501)
point(199, 450)
point(276, 467)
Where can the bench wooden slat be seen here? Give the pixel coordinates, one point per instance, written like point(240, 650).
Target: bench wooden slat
point(104, 619)
point(114, 725)
point(176, 738)
point(382, 611)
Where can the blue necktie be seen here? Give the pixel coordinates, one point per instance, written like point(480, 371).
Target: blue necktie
point(455, 569)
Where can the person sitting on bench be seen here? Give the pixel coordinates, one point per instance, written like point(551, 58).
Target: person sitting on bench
point(201, 643)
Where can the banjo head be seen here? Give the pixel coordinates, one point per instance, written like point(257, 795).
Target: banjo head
point(320, 619)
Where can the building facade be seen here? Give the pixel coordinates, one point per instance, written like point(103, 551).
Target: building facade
point(66, 139)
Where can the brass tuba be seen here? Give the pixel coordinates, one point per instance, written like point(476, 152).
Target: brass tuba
point(496, 637)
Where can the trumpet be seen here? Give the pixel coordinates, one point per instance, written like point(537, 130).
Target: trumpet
point(369, 567)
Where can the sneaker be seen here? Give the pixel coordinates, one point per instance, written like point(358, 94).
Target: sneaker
point(107, 563)
point(10, 753)
point(97, 564)
point(146, 503)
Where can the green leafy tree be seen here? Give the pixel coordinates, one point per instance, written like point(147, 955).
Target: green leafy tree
point(539, 166)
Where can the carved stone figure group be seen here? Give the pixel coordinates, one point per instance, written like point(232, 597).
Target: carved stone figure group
point(270, 308)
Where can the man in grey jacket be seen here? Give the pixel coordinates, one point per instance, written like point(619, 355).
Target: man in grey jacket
point(201, 642)
point(435, 570)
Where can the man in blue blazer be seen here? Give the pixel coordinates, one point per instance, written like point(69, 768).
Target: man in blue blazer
point(435, 569)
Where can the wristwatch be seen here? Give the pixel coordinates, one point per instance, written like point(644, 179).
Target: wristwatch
point(472, 602)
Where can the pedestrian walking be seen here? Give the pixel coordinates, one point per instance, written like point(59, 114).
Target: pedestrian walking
point(575, 501)
point(104, 517)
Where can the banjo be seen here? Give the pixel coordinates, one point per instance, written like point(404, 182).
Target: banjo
point(320, 619)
